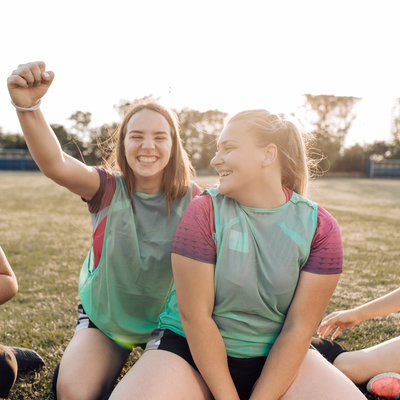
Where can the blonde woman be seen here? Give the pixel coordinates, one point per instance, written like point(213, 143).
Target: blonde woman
point(255, 264)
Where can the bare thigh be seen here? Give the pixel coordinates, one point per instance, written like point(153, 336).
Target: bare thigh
point(361, 365)
point(318, 379)
point(90, 365)
point(161, 375)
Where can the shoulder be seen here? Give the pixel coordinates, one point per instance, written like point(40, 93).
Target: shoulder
point(326, 253)
point(104, 195)
point(200, 207)
point(196, 190)
point(326, 223)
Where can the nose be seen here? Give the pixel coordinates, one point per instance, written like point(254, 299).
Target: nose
point(216, 160)
point(148, 143)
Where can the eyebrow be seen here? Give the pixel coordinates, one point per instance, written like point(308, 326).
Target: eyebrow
point(154, 133)
point(225, 142)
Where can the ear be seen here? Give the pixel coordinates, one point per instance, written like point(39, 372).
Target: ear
point(270, 155)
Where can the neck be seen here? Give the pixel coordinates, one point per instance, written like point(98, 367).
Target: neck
point(266, 193)
point(148, 185)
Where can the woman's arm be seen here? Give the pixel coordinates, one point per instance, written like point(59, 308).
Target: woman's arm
point(194, 283)
point(8, 281)
point(348, 318)
point(312, 295)
point(27, 85)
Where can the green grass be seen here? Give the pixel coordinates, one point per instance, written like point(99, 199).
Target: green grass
point(45, 232)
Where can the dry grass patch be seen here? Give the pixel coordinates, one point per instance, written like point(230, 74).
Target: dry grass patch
point(45, 232)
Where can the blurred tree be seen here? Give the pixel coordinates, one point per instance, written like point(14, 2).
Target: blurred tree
point(199, 131)
point(101, 145)
point(396, 120)
point(12, 141)
point(396, 129)
point(331, 118)
point(354, 159)
point(80, 127)
point(378, 150)
point(70, 143)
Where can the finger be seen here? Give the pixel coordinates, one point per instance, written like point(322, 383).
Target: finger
point(31, 72)
point(36, 72)
point(28, 76)
point(14, 81)
point(47, 77)
point(325, 332)
point(25, 72)
point(336, 333)
point(322, 330)
point(40, 64)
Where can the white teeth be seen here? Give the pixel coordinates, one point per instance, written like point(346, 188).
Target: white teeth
point(147, 159)
point(224, 173)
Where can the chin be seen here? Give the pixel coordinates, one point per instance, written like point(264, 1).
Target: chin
point(222, 189)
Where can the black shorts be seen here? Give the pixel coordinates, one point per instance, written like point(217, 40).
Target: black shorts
point(244, 371)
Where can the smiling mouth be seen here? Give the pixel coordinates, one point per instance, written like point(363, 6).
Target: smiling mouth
point(222, 174)
point(147, 159)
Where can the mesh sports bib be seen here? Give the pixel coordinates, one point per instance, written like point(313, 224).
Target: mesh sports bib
point(125, 294)
point(260, 253)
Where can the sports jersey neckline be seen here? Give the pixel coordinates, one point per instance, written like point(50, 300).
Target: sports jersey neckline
point(146, 196)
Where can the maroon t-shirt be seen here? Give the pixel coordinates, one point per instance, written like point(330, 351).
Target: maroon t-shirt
point(194, 237)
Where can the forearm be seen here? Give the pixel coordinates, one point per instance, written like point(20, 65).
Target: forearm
point(384, 305)
point(209, 353)
point(282, 366)
point(41, 140)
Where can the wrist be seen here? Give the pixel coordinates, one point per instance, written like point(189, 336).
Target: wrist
point(27, 109)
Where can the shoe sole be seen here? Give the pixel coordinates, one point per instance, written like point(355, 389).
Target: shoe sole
point(385, 389)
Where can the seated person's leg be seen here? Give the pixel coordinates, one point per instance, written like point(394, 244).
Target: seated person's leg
point(318, 379)
point(90, 366)
point(163, 374)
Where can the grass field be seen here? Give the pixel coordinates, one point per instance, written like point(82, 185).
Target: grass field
point(45, 232)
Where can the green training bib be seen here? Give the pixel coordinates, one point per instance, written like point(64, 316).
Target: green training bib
point(127, 291)
point(260, 253)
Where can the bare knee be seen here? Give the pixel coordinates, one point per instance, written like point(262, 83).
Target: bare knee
point(351, 365)
point(72, 387)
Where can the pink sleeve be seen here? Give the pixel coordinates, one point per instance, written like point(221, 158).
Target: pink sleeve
point(104, 195)
point(326, 255)
point(194, 237)
point(195, 190)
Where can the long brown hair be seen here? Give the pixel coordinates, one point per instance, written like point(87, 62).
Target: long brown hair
point(179, 170)
point(270, 128)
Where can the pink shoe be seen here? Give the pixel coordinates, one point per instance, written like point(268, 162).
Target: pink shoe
point(385, 385)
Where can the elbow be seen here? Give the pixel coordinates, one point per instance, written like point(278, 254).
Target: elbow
point(185, 317)
point(297, 333)
point(15, 288)
point(51, 173)
point(8, 291)
point(54, 168)
point(191, 320)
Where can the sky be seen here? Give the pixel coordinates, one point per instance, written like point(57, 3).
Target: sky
point(228, 55)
